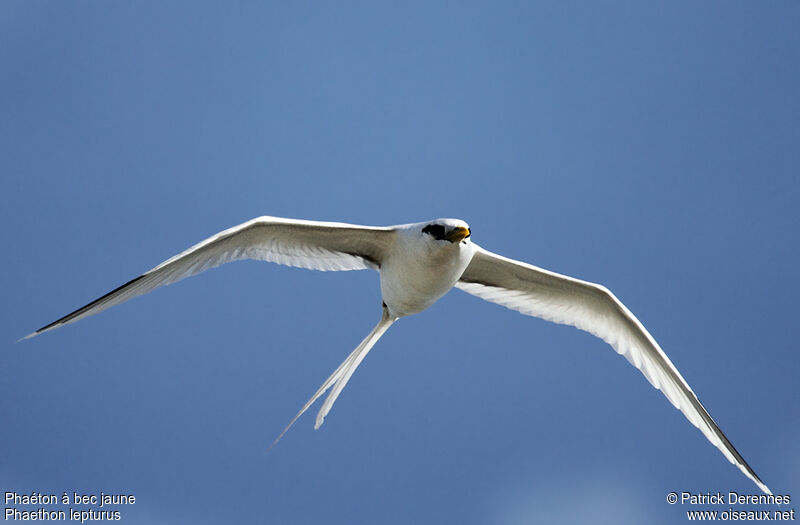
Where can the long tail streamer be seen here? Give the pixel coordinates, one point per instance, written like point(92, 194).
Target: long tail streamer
point(339, 378)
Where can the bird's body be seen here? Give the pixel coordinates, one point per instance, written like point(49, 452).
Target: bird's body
point(420, 269)
point(419, 263)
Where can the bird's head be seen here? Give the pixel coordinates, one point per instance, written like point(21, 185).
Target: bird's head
point(452, 230)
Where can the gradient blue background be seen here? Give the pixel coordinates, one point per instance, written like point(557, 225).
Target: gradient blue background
point(652, 148)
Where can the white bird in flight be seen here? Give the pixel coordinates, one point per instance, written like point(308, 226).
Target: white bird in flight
point(418, 263)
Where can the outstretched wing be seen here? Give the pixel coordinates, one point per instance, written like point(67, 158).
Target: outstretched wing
point(594, 309)
point(305, 244)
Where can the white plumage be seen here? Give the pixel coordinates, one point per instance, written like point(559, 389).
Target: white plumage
point(418, 263)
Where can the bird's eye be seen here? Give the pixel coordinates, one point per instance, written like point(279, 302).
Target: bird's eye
point(434, 230)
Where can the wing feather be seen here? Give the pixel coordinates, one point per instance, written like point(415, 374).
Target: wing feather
point(326, 246)
point(594, 309)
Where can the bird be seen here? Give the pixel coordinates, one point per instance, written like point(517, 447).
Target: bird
point(418, 263)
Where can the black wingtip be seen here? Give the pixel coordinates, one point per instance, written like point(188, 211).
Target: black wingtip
point(37, 332)
point(70, 316)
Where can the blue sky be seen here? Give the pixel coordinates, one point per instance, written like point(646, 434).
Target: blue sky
point(652, 148)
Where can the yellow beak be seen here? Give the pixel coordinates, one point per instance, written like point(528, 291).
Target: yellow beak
point(457, 234)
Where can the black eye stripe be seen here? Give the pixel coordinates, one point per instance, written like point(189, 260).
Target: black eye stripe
point(434, 230)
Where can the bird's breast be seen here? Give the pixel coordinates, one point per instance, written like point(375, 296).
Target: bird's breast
point(415, 275)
